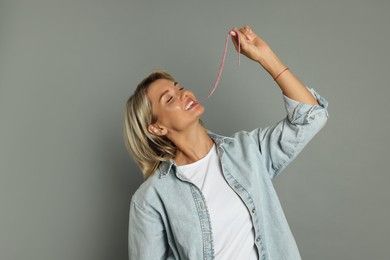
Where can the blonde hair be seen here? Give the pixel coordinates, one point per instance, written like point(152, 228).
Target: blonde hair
point(148, 150)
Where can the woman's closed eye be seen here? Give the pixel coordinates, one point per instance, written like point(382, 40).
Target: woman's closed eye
point(171, 97)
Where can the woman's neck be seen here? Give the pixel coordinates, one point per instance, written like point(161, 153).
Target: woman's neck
point(192, 145)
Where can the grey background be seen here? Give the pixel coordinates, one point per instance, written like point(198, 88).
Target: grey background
point(67, 68)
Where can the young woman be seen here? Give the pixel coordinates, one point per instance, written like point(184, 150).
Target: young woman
point(208, 196)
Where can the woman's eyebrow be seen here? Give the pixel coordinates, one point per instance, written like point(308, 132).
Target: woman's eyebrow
point(177, 84)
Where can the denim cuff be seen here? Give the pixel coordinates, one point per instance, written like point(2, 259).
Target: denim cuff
point(301, 113)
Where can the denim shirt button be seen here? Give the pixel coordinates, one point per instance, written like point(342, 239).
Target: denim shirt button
point(253, 210)
point(258, 239)
point(237, 186)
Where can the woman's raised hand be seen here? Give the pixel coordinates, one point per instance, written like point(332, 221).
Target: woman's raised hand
point(252, 46)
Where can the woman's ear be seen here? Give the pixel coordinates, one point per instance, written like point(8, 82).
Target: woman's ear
point(157, 130)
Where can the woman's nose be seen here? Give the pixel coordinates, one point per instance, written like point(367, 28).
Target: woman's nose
point(183, 94)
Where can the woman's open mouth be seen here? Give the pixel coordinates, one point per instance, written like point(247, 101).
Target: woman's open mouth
point(190, 105)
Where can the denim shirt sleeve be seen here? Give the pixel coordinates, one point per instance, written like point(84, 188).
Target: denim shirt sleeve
point(146, 235)
point(281, 143)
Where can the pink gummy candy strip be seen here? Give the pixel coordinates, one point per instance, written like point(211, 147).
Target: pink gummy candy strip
point(223, 63)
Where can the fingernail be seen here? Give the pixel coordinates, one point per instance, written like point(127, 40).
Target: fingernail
point(233, 33)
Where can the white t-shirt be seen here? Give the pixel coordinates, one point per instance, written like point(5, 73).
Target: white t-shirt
point(231, 223)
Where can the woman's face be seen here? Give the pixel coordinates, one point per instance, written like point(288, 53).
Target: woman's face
point(175, 107)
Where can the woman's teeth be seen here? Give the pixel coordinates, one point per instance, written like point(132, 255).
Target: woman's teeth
point(189, 105)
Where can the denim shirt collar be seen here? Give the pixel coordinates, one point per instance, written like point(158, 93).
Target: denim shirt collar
point(166, 167)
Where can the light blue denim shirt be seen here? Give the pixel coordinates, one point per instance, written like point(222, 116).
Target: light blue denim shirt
point(169, 218)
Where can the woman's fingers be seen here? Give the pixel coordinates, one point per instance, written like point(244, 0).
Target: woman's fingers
point(250, 43)
point(246, 36)
point(234, 35)
point(248, 33)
